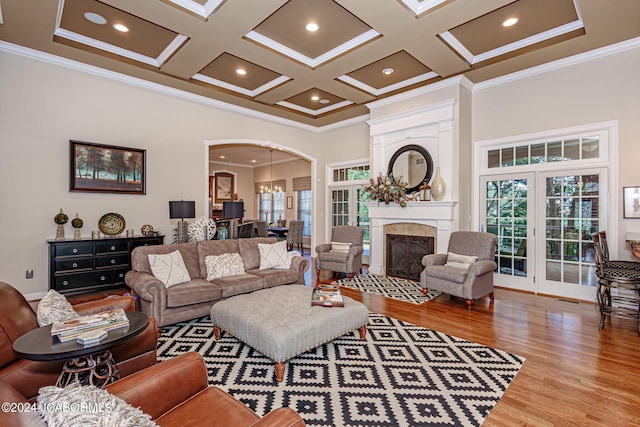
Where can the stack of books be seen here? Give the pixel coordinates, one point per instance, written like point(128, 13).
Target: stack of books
point(327, 296)
point(71, 329)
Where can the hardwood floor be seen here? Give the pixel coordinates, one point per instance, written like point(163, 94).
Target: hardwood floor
point(573, 375)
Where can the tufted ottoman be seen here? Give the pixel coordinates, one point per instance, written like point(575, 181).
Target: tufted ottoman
point(280, 322)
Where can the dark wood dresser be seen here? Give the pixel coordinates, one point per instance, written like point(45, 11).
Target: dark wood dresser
point(90, 265)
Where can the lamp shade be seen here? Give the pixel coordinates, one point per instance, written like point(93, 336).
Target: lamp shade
point(181, 209)
point(233, 209)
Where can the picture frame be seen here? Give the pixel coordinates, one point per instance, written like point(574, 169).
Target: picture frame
point(289, 202)
point(631, 202)
point(106, 168)
point(224, 187)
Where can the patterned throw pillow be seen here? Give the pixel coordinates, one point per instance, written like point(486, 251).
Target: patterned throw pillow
point(460, 261)
point(79, 406)
point(340, 247)
point(273, 255)
point(169, 268)
point(224, 265)
point(54, 307)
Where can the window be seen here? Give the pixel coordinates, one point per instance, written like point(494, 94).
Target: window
point(351, 173)
point(271, 208)
point(304, 210)
point(547, 152)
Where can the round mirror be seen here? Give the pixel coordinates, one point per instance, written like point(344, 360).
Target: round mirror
point(411, 164)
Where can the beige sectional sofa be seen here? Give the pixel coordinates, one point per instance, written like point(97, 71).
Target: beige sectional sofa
point(195, 298)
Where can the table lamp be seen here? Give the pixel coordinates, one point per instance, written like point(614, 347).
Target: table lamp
point(181, 209)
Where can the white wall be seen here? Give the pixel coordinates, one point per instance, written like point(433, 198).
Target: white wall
point(599, 90)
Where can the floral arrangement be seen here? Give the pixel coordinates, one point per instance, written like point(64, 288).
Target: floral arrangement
point(387, 189)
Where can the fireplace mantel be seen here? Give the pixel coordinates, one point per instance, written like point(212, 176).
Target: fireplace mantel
point(440, 215)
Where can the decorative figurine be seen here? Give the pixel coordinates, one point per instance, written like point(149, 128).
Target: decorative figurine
point(60, 219)
point(77, 224)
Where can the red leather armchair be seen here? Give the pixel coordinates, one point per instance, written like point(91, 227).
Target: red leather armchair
point(26, 376)
point(174, 393)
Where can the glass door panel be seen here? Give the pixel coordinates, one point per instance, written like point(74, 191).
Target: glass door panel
point(340, 206)
point(570, 214)
point(508, 213)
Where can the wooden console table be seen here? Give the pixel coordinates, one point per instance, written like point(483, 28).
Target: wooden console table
point(89, 265)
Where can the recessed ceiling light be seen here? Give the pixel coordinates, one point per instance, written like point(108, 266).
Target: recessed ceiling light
point(312, 26)
point(121, 27)
point(253, 161)
point(222, 157)
point(387, 71)
point(241, 71)
point(95, 18)
point(324, 101)
point(509, 22)
point(315, 97)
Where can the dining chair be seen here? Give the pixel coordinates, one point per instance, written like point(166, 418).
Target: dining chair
point(294, 235)
point(245, 230)
point(262, 229)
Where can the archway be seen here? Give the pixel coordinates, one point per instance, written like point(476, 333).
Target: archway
point(266, 145)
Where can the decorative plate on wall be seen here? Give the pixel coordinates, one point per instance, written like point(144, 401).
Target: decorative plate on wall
point(111, 224)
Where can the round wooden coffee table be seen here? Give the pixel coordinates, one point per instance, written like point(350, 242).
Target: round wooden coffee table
point(84, 364)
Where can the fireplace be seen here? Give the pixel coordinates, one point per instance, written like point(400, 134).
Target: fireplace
point(404, 255)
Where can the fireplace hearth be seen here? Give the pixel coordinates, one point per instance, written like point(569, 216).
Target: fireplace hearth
point(404, 255)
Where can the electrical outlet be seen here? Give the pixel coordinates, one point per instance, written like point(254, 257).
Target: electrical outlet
point(29, 274)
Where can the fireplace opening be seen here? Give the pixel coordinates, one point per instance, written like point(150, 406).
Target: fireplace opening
point(404, 255)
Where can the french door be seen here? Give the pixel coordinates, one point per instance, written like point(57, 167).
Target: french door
point(544, 222)
point(508, 202)
point(348, 207)
point(572, 207)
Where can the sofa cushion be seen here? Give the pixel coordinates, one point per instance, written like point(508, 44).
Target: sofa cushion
point(189, 252)
point(273, 255)
point(169, 268)
point(240, 284)
point(214, 247)
point(276, 277)
point(249, 252)
point(193, 292)
point(451, 274)
point(333, 256)
point(54, 307)
point(223, 265)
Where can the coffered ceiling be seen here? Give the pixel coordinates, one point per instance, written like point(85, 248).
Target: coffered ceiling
point(258, 54)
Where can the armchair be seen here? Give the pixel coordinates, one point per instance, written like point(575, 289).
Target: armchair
point(471, 283)
point(349, 261)
point(27, 376)
point(173, 393)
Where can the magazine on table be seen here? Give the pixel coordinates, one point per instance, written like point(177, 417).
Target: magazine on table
point(327, 297)
point(109, 320)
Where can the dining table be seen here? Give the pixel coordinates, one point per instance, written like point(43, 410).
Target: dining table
point(280, 232)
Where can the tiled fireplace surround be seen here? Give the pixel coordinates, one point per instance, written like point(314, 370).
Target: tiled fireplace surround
point(432, 128)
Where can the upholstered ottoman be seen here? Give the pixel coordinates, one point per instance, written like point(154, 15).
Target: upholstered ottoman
point(280, 322)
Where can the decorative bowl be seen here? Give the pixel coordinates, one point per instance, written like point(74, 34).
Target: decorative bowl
point(112, 224)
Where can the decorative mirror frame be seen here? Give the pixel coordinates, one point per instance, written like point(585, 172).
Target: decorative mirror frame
point(427, 157)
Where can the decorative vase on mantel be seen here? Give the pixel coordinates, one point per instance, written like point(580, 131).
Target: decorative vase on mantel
point(438, 187)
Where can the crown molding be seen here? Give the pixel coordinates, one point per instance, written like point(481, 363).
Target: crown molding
point(561, 63)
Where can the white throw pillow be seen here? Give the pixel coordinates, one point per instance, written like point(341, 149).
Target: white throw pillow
point(290, 256)
point(340, 247)
point(273, 255)
point(224, 265)
point(78, 406)
point(460, 261)
point(54, 307)
point(169, 268)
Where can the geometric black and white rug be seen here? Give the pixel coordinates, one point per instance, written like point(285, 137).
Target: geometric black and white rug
point(392, 287)
point(402, 375)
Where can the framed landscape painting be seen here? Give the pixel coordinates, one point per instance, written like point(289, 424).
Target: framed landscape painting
point(106, 168)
